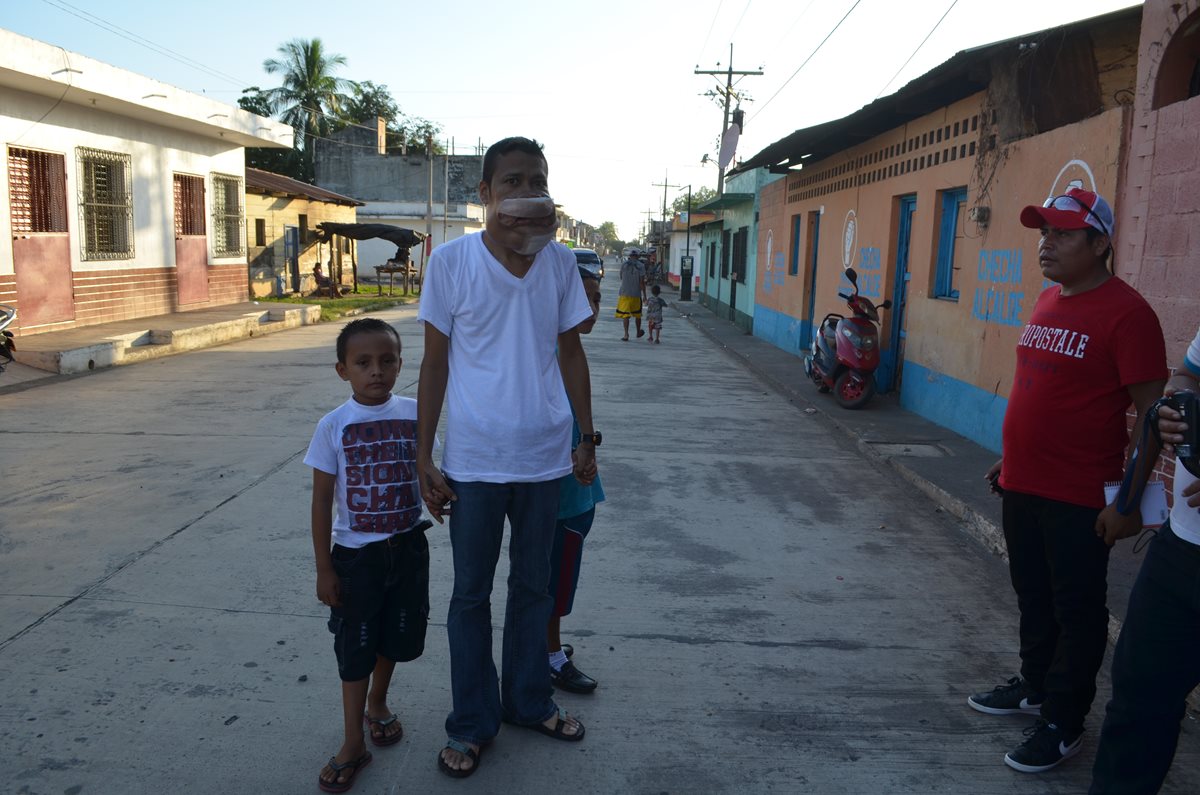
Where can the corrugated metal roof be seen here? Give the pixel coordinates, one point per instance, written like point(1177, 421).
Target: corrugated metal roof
point(967, 73)
point(261, 181)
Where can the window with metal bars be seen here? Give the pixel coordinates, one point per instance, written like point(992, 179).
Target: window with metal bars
point(105, 204)
point(189, 205)
point(227, 216)
point(37, 191)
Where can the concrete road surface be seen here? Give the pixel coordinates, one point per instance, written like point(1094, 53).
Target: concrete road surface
point(765, 610)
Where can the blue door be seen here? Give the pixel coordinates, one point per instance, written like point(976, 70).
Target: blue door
point(807, 327)
point(887, 377)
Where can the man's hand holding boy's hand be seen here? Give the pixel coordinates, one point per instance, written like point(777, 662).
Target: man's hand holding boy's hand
point(435, 491)
point(329, 588)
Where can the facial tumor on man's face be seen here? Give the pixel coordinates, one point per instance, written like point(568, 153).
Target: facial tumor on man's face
point(530, 222)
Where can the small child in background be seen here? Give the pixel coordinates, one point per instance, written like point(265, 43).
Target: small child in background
point(654, 314)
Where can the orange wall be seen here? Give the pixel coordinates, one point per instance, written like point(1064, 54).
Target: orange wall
point(945, 336)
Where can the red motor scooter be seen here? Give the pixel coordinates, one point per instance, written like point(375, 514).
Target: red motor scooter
point(845, 350)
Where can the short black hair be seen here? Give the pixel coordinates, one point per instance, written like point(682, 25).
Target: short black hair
point(363, 325)
point(1093, 233)
point(515, 144)
point(587, 274)
point(655, 289)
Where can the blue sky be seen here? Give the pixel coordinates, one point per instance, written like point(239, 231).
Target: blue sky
point(607, 87)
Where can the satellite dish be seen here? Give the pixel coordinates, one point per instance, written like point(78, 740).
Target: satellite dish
point(729, 142)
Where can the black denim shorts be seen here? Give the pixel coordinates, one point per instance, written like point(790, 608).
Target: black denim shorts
point(385, 603)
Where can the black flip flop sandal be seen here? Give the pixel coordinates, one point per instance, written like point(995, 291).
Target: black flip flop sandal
point(355, 765)
point(383, 740)
point(557, 732)
point(465, 750)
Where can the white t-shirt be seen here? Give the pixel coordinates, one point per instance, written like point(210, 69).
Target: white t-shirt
point(373, 452)
point(507, 415)
point(1185, 521)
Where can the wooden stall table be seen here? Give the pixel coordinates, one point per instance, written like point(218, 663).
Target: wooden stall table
point(409, 271)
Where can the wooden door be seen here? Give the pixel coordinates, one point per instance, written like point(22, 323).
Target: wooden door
point(37, 200)
point(191, 245)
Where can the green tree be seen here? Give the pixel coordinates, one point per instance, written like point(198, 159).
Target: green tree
point(370, 101)
point(409, 134)
point(278, 161)
point(608, 234)
point(699, 196)
point(311, 96)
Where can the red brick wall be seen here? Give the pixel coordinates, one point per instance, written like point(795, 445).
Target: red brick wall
point(1159, 210)
point(8, 289)
point(127, 293)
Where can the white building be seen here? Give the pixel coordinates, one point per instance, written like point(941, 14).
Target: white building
point(124, 196)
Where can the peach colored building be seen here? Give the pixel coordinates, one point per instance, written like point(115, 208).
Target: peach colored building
point(920, 193)
point(1159, 215)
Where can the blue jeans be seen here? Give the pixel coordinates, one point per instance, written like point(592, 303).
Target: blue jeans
point(476, 532)
point(1155, 665)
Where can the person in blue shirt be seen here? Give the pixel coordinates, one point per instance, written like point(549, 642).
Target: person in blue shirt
point(576, 509)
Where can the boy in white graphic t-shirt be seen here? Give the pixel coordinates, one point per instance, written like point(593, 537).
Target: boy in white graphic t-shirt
point(375, 578)
point(1157, 659)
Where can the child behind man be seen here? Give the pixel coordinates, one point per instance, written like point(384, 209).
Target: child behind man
point(576, 510)
point(363, 458)
point(654, 314)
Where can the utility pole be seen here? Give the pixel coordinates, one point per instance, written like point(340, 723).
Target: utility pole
point(687, 261)
point(666, 238)
point(728, 93)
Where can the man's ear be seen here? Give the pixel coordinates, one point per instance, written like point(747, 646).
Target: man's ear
point(485, 192)
point(342, 372)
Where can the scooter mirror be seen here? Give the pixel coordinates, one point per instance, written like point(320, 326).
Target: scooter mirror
point(887, 304)
point(852, 275)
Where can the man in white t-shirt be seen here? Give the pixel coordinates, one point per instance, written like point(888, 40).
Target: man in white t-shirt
point(496, 305)
point(1157, 659)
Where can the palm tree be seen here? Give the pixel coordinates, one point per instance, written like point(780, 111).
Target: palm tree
point(310, 93)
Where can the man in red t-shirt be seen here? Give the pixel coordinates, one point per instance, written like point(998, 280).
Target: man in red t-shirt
point(1091, 347)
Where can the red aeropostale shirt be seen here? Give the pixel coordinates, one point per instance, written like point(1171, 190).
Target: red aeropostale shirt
point(1064, 429)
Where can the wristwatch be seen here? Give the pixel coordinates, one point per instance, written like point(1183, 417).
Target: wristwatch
point(594, 438)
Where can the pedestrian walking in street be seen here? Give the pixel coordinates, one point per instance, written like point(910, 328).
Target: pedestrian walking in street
point(494, 305)
point(375, 578)
point(1157, 660)
point(631, 293)
point(1091, 347)
point(654, 314)
point(576, 510)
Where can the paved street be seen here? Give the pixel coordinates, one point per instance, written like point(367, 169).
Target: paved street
point(766, 610)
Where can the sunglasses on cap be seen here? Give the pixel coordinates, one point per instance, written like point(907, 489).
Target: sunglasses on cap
point(1070, 204)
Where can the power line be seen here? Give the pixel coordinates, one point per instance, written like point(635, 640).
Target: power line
point(739, 22)
point(914, 52)
point(141, 41)
point(792, 27)
point(806, 60)
point(710, 28)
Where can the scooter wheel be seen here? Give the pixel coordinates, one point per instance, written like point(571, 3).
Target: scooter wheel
point(852, 389)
